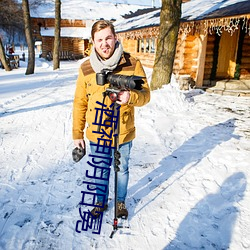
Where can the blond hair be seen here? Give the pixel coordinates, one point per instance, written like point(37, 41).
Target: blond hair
point(100, 25)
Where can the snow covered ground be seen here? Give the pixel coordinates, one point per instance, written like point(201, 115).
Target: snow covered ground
point(189, 169)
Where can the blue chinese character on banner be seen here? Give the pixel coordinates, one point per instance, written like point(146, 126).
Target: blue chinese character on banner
point(93, 196)
point(105, 116)
point(103, 146)
point(89, 221)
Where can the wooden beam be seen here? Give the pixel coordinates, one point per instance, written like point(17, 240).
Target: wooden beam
point(201, 60)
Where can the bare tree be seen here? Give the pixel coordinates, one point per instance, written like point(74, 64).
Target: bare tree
point(28, 33)
point(11, 24)
point(168, 34)
point(11, 16)
point(56, 59)
point(3, 57)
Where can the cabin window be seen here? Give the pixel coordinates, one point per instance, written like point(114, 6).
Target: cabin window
point(146, 45)
point(152, 45)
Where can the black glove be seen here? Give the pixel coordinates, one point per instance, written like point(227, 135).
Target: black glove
point(78, 153)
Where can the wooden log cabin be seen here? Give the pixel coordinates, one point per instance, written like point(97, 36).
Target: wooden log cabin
point(212, 45)
point(74, 37)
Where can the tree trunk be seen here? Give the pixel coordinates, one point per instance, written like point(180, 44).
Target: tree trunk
point(28, 33)
point(3, 57)
point(168, 34)
point(56, 59)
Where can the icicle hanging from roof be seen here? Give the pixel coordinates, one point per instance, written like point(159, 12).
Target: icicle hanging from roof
point(229, 24)
point(218, 25)
point(246, 25)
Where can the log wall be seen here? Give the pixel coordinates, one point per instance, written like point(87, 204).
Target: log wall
point(131, 46)
point(50, 22)
point(245, 60)
point(186, 56)
point(178, 61)
point(73, 45)
point(209, 57)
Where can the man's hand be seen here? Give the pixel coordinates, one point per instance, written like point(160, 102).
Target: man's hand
point(78, 152)
point(79, 143)
point(123, 97)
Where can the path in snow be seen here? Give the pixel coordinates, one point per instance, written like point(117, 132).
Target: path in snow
point(189, 170)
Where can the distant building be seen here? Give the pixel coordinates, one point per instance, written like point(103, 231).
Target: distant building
point(77, 19)
point(75, 36)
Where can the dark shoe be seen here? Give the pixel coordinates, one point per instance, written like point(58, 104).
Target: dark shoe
point(96, 211)
point(122, 211)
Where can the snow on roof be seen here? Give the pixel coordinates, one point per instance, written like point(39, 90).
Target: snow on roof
point(145, 20)
point(85, 10)
point(79, 32)
point(197, 9)
point(192, 10)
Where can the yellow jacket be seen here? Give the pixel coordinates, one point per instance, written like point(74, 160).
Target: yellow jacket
point(87, 93)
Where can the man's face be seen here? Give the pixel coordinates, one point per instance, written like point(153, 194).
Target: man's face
point(104, 42)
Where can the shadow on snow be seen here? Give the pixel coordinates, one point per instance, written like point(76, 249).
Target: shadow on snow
point(210, 223)
point(22, 110)
point(190, 153)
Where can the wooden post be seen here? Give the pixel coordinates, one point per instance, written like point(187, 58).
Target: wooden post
point(201, 60)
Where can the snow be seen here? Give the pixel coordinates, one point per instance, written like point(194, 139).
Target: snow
point(81, 32)
point(145, 20)
point(155, 3)
point(189, 168)
point(86, 10)
point(197, 9)
point(192, 10)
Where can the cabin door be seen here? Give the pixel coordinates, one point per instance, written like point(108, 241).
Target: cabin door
point(227, 55)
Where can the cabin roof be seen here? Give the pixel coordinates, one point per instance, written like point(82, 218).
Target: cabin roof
point(140, 21)
point(193, 10)
point(208, 9)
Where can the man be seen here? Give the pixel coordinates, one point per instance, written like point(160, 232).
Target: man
point(107, 54)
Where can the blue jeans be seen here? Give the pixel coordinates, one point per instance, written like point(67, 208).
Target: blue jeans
point(123, 174)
